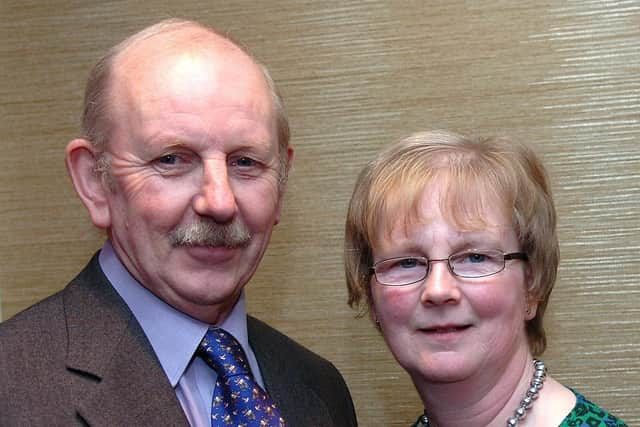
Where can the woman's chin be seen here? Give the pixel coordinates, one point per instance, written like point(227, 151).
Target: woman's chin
point(441, 369)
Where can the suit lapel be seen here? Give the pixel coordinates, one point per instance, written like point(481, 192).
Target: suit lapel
point(120, 378)
point(285, 382)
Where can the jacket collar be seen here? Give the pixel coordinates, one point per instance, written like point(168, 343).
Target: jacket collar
point(109, 353)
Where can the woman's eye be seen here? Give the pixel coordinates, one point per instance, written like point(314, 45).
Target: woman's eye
point(408, 263)
point(476, 257)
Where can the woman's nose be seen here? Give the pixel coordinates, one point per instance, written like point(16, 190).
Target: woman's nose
point(441, 285)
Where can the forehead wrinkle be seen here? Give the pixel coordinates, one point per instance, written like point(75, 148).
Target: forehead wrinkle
point(134, 99)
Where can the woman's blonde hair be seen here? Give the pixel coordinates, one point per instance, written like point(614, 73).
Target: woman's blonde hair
point(479, 173)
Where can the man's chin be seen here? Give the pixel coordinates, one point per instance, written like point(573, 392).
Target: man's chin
point(212, 309)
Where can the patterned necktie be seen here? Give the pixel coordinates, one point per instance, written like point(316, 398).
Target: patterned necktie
point(238, 400)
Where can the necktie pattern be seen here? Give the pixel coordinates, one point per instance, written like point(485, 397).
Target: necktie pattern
point(237, 399)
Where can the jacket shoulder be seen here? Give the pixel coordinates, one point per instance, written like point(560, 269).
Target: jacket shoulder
point(34, 343)
point(46, 318)
point(35, 325)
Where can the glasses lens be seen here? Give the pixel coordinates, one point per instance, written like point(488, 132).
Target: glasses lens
point(477, 263)
point(401, 271)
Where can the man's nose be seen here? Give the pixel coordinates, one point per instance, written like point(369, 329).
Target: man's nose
point(441, 285)
point(215, 197)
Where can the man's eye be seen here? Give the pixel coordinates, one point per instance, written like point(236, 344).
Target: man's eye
point(168, 159)
point(171, 164)
point(244, 162)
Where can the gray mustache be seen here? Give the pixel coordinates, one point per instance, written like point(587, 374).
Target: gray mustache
point(207, 232)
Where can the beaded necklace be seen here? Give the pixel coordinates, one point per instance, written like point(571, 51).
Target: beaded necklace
point(539, 375)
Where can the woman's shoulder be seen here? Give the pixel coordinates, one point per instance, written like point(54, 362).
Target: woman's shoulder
point(588, 414)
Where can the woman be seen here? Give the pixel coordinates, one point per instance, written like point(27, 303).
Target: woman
point(451, 245)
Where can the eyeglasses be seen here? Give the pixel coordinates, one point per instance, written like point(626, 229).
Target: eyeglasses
point(469, 264)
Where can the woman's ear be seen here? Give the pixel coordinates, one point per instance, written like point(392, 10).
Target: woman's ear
point(82, 158)
point(374, 317)
point(531, 302)
point(531, 308)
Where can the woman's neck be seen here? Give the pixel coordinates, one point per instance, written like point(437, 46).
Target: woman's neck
point(488, 398)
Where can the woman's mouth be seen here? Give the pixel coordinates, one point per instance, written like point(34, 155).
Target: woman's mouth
point(446, 329)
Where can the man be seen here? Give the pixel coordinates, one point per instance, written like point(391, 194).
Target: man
point(183, 162)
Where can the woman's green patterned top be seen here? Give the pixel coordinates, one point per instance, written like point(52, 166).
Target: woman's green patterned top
point(583, 414)
point(587, 414)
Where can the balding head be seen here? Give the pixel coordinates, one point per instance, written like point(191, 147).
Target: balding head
point(188, 130)
point(168, 37)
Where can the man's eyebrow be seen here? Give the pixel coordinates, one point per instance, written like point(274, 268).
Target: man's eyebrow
point(175, 143)
point(158, 146)
point(261, 145)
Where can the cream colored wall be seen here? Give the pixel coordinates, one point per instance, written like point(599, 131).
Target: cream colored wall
point(563, 75)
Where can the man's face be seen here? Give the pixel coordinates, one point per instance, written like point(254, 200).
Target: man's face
point(194, 148)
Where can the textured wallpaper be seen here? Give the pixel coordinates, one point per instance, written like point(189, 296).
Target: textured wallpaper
point(563, 76)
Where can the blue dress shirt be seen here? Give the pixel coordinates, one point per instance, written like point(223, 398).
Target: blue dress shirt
point(175, 336)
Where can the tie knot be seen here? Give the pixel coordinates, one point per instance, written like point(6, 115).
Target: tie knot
point(223, 353)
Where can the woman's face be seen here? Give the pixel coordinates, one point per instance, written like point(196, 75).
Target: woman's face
point(446, 328)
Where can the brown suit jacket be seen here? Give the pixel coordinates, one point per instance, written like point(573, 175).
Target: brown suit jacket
point(80, 358)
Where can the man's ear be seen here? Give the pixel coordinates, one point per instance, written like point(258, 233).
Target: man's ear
point(283, 187)
point(81, 159)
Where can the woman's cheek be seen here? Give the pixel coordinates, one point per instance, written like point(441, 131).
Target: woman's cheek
point(394, 303)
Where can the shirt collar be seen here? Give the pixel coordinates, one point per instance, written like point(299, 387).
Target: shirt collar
point(173, 335)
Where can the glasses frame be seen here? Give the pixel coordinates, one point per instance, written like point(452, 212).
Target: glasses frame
point(505, 257)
